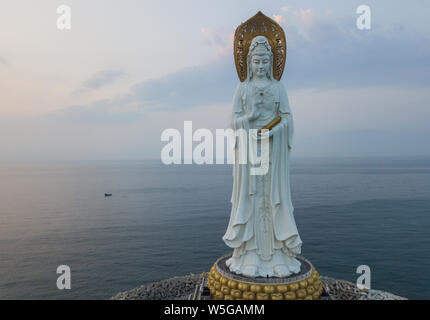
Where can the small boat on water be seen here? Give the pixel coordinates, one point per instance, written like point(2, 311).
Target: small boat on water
point(108, 194)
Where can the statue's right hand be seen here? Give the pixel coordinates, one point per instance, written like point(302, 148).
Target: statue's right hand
point(255, 113)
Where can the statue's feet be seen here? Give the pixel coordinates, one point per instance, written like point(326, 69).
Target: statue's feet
point(281, 271)
point(250, 271)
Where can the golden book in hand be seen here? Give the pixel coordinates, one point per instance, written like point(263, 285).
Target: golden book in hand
point(271, 124)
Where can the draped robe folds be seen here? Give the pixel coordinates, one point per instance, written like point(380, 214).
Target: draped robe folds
point(283, 243)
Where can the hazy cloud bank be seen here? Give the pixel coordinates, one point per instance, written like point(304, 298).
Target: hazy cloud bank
point(326, 54)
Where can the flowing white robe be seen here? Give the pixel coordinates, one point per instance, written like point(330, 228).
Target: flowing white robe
point(262, 199)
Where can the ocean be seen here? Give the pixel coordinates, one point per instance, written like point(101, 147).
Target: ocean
point(164, 221)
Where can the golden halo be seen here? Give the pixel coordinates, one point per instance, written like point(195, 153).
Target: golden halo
point(259, 25)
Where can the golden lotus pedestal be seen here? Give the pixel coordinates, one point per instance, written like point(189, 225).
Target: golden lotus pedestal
point(226, 285)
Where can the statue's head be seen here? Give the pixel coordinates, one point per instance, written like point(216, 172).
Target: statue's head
point(260, 58)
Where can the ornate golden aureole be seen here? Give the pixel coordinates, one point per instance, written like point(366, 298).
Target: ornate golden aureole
point(259, 25)
point(225, 285)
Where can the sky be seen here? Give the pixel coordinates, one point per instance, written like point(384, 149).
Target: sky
point(127, 70)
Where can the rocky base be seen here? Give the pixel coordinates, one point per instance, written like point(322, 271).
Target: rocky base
point(177, 288)
point(345, 290)
point(182, 288)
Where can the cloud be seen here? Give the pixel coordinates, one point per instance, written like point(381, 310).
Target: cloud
point(100, 79)
point(98, 112)
point(331, 54)
point(3, 61)
point(307, 17)
point(279, 18)
point(211, 37)
point(334, 53)
point(186, 88)
point(222, 42)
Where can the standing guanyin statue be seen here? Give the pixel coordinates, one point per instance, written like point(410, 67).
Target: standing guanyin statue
point(262, 229)
point(265, 263)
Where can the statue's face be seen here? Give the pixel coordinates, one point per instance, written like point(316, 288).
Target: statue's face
point(260, 64)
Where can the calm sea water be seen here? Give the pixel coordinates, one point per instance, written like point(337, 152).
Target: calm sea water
point(164, 221)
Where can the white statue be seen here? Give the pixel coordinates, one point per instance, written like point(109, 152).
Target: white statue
point(262, 229)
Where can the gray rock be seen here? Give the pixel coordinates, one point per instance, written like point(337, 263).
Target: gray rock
point(169, 289)
point(345, 290)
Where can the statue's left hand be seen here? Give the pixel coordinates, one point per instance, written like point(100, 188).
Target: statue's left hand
point(260, 135)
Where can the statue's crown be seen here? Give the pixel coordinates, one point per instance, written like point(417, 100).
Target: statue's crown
point(260, 45)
